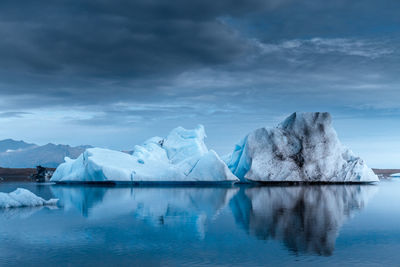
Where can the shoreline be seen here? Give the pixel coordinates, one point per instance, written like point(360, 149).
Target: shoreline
point(17, 174)
point(24, 174)
point(385, 172)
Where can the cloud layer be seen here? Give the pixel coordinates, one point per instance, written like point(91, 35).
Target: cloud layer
point(80, 71)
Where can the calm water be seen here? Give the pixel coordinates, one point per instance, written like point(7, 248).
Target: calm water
point(242, 226)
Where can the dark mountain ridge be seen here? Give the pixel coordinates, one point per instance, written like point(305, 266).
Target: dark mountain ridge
point(19, 154)
point(10, 144)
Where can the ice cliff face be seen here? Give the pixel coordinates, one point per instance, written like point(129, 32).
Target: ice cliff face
point(304, 147)
point(23, 198)
point(181, 157)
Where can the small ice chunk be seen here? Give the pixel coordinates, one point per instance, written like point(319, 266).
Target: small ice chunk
point(23, 198)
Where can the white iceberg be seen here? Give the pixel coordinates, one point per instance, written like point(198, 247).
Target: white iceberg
point(23, 198)
point(181, 157)
point(396, 175)
point(304, 147)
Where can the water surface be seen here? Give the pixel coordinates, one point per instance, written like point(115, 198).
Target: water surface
point(237, 226)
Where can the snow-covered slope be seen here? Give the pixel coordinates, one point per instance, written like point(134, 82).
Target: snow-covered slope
point(304, 147)
point(23, 198)
point(181, 157)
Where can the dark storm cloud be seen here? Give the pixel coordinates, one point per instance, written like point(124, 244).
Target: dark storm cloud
point(57, 53)
point(311, 18)
point(90, 52)
point(205, 57)
point(117, 38)
point(112, 73)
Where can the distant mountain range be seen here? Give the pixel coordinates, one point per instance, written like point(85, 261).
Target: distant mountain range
point(19, 154)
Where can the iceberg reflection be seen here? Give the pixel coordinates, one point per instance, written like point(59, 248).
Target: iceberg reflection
point(307, 219)
point(24, 212)
point(159, 206)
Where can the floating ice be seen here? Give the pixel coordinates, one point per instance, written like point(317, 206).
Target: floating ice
point(181, 157)
point(304, 147)
point(23, 198)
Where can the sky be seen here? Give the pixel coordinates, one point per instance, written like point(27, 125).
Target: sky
point(114, 73)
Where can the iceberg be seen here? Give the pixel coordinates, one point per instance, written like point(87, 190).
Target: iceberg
point(180, 157)
point(303, 148)
point(23, 198)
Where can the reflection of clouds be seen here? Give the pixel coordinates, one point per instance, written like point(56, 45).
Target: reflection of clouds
point(306, 218)
point(161, 206)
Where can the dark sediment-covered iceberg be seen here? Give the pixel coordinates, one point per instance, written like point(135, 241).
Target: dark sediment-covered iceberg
point(304, 148)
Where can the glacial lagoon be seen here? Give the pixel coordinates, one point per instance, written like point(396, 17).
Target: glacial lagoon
point(233, 226)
